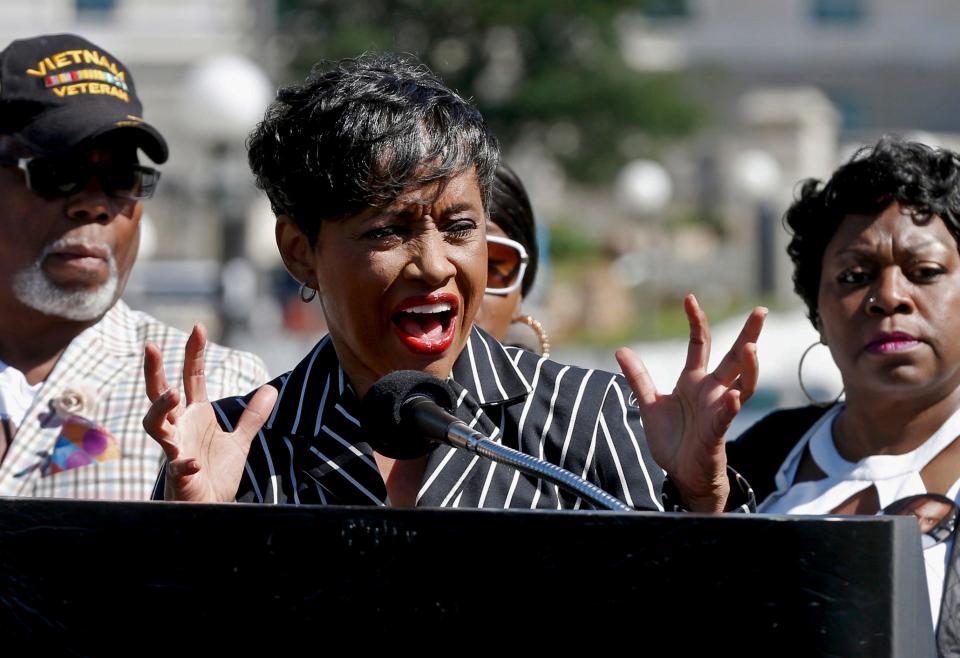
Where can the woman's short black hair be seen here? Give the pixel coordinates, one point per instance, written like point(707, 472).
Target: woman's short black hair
point(358, 132)
point(918, 177)
point(510, 210)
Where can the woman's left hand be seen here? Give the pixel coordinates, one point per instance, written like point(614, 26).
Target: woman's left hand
point(686, 429)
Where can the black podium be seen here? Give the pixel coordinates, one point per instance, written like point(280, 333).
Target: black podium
point(733, 585)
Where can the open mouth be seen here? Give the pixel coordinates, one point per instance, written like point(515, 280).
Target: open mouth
point(426, 324)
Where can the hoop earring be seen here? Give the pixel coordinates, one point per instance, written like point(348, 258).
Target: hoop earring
point(816, 403)
point(307, 297)
point(538, 329)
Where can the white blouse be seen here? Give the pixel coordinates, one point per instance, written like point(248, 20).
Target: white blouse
point(893, 476)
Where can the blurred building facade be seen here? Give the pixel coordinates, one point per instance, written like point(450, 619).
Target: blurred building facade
point(885, 64)
point(803, 81)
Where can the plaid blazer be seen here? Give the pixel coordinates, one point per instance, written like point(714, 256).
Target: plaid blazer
point(106, 362)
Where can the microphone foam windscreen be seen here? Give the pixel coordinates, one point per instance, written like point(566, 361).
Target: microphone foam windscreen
point(382, 419)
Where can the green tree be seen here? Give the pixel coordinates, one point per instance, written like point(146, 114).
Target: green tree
point(548, 71)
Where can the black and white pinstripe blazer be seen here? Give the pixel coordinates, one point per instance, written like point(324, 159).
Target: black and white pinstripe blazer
point(313, 449)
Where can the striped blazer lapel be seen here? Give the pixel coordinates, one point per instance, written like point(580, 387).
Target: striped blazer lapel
point(486, 370)
point(317, 412)
point(449, 468)
point(484, 380)
point(91, 361)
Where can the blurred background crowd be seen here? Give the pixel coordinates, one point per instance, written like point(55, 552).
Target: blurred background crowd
point(660, 141)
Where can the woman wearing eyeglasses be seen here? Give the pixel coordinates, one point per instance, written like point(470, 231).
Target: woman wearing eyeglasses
point(380, 177)
point(512, 255)
point(876, 260)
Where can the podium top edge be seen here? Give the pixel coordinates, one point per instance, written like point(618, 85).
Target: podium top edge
point(10, 504)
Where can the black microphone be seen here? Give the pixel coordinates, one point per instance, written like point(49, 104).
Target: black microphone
point(406, 412)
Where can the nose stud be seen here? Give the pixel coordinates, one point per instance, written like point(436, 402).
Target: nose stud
point(871, 300)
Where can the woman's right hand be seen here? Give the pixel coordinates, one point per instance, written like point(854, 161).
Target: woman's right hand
point(204, 463)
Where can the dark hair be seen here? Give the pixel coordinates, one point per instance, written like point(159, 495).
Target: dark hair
point(510, 210)
point(918, 177)
point(359, 134)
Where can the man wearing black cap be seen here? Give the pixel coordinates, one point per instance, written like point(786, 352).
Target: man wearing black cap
point(71, 196)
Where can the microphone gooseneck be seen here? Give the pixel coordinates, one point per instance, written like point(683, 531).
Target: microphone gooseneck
point(406, 412)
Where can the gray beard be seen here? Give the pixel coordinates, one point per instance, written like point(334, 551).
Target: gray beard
point(33, 289)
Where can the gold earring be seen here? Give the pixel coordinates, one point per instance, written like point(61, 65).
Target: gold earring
point(538, 329)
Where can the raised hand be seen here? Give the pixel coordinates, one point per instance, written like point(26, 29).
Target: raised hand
point(686, 429)
point(204, 463)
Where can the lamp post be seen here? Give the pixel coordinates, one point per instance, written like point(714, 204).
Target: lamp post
point(644, 188)
point(758, 175)
point(225, 96)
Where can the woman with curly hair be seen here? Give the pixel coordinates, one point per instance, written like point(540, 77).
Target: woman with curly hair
point(876, 259)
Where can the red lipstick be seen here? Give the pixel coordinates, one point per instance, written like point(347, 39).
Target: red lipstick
point(426, 323)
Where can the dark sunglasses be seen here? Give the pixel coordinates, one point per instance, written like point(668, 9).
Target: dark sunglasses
point(506, 263)
point(55, 178)
point(936, 515)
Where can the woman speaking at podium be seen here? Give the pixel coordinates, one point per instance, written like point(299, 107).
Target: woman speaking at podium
point(380, 176)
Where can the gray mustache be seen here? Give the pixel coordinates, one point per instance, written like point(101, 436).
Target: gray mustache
point(87, 243)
